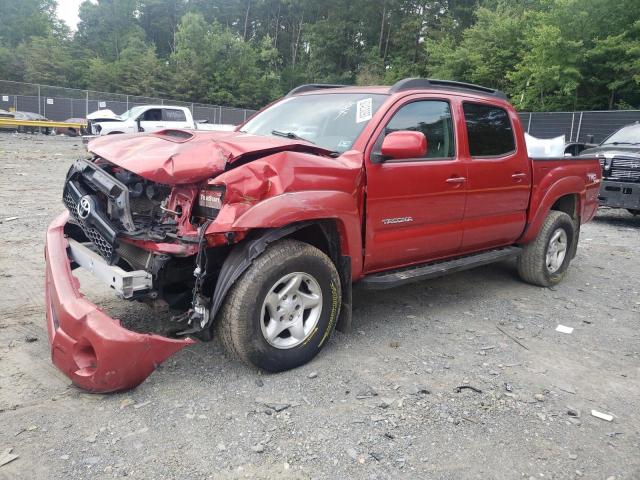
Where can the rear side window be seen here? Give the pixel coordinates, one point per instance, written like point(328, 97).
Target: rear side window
point(171, 115)
point(431, 117)
point(489, 130)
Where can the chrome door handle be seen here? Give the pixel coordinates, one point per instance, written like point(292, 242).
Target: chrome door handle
point(456, 180)
point(518, 175)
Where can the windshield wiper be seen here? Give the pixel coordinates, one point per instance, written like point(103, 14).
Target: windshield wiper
point(622, 143)
point(290, 135)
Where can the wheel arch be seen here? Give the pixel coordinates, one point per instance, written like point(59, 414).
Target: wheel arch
point(566, 195)
point(321, 233)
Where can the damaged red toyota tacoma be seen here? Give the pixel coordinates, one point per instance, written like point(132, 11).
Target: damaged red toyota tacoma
point(258, 235)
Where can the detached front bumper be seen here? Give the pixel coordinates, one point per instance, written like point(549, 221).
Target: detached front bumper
point(91, 348)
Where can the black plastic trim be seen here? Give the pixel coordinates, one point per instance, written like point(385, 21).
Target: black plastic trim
point(430, 83)
point(308, 87)
point(396, 278)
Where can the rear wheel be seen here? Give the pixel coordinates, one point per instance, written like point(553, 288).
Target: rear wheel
point(281, 311)
point(633, 211)
point(545, 261)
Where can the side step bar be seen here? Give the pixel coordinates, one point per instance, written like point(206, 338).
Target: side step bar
point(395, 278)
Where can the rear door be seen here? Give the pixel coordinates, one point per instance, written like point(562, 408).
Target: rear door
point(499, 177)
point(175, 118)
point(415, 206)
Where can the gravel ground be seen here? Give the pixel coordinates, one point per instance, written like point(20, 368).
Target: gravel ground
point(380, 402)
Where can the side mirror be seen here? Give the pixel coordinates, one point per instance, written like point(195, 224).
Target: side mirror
point(404, 144)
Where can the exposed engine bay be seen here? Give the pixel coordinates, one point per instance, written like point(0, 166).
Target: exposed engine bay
point(106, 200)
point(113, 213)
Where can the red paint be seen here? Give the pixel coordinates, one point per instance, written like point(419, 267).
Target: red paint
point(388, 215)
point(205, 154)
point(404, 144)
point(92, 349)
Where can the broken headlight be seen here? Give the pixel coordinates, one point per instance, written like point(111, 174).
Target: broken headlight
point(209, 202)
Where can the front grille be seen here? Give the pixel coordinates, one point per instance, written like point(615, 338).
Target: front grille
point(624, 169)
point(103, 247)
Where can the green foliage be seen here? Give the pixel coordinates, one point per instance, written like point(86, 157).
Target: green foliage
point(546, 54)
point(549, 54)
point(46, 60)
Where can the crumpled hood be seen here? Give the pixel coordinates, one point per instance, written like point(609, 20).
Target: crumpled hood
point(184, 156)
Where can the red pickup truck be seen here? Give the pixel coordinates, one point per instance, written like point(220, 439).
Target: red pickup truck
point(258, 235)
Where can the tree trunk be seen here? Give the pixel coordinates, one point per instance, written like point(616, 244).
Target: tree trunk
point(296, 45)
point(275, 38)
point(386, 43)
point(384, 15)
point(246, 20)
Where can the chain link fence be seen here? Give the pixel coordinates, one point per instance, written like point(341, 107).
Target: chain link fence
point(60, 103)
point(592, 127)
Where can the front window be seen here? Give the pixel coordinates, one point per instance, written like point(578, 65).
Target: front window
point(330, 120)
point(431, 117)
point(629, 135)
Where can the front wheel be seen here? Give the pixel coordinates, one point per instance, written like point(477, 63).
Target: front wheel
point(633, 211)
point(281, 311)
point(545, 261)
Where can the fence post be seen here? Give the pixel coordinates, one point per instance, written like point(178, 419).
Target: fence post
point(39, 102)
point(573, 119)
point(220, 115)
point(579, 127)
point(529, 124)
point(244, 115)
point(86, 105)
point(192, 109)
point(127, 102)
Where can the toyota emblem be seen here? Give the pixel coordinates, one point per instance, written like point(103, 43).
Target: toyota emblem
point(84, 207)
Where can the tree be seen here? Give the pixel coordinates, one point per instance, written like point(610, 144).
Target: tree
point(24, 19)
point(545, 54)
point(46, 60)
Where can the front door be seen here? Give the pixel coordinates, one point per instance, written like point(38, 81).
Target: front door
point(415, 207)
point(499, 178)
point(151, 120)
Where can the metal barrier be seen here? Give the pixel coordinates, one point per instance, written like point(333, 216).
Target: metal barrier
point(10, 122)
point(60, 103)
point(592, 126)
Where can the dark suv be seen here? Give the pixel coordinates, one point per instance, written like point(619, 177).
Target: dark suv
point(619, 155)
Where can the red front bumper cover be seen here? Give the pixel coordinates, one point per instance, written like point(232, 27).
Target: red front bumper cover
point(91, 348)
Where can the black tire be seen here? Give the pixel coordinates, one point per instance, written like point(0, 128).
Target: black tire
point(532, 264)
point(240, 320)
point(633, 211)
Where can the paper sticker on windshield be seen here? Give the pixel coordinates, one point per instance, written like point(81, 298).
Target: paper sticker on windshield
point(364, 110)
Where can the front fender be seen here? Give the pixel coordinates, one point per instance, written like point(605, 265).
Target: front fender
point(293, 207)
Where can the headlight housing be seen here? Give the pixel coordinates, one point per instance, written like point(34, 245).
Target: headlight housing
point(209, 202)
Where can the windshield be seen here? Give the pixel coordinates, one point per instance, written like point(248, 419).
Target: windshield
point(629, 135)
point(330, 120)
point(132, 113)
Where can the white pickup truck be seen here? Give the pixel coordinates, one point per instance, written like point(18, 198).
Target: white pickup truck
point(146, 118)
